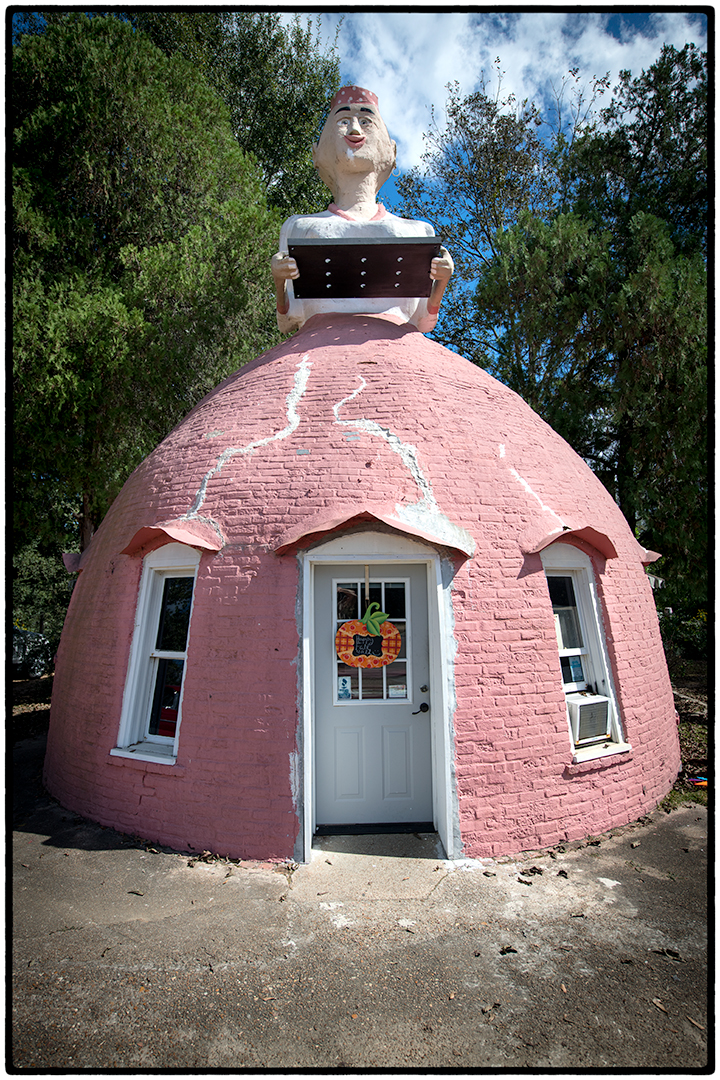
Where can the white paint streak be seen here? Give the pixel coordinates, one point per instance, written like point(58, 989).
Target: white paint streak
point(425, 513)
point(299, 386)
point(407, 451)
point(546, 509)
point(502, 449)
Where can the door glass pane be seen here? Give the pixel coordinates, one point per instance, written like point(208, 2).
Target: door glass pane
point(347, 600)
point(372, 683)
point(375, 595)
point(166, 700)
point(348, 683)
point(395, 600)
point(396, 675)
point(175, 614)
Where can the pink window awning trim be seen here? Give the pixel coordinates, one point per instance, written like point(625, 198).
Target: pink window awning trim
point(532, 543)
point(180, 531)
point(323, 525)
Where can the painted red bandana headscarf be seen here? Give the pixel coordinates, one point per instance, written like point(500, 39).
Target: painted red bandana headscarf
point(347, 95)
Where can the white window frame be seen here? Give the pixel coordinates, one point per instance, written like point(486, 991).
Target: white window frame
point(566, 560)
point(134, 740)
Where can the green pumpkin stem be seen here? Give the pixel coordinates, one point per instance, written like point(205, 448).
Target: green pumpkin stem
point(374, 618)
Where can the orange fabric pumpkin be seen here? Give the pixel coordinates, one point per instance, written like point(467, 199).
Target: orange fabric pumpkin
point(370, 642)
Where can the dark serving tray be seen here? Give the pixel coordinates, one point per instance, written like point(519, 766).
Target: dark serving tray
point(377, 266)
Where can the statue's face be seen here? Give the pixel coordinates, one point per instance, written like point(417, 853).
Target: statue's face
point(354, 141)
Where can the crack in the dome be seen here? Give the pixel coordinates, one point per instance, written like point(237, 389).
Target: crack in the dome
point(424, 514)
point(546, 509)
point(406, 451)
point(299, 386)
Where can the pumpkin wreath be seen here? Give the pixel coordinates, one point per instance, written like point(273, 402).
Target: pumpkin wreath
point(370, 642)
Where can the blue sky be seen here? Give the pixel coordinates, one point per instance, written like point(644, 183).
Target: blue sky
point(408, 58)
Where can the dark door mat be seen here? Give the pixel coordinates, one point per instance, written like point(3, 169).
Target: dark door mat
point(376, 827)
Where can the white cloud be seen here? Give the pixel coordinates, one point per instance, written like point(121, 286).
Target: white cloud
point(408, 58)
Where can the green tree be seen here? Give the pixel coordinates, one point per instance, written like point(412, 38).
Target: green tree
point(616, 363)
point(649, 153)
point(538, 305)
point(276, 80)
point(140, 245)
point(581, 280)
point(641, 176)
point(493, 162)
point(656, 333)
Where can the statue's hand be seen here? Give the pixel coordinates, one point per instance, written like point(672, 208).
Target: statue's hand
point(284, 268)
point(441, 268)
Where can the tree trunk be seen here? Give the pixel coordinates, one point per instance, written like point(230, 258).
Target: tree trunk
point(87, 527)
point(625, 472)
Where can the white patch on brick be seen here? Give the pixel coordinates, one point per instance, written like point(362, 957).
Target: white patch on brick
point(502, 449)
point(425, 513)
point(299, 386)
point(543, 507)
point(295, 766)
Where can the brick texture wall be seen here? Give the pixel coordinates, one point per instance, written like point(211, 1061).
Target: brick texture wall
point(261, 455)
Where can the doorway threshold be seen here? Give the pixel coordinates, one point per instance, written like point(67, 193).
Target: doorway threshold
point(376, 828)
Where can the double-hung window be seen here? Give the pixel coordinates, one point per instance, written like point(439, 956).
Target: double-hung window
point(151, 712)
point(593, 715)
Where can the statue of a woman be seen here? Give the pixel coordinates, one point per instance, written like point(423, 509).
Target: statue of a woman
point(354, 157)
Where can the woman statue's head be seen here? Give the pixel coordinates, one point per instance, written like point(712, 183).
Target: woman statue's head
point(354, 140)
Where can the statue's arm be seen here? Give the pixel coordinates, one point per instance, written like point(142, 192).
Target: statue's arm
point(284, 269)
point(441, 270)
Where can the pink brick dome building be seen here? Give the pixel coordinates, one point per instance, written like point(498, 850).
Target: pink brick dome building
point(200, 700)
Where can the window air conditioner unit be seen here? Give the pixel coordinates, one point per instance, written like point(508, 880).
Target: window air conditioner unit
point(589, 718)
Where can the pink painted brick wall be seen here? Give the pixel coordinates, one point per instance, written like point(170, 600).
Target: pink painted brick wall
point(495, 469)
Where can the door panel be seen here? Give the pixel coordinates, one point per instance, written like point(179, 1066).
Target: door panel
point(372, 743)
point(349, 761)
point(397, 762)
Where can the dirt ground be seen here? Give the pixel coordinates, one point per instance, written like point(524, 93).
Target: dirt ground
point(379, 954)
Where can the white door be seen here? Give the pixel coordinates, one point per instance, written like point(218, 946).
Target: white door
point(372, 736)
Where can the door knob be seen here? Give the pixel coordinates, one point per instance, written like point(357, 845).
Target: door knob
point(423, 708)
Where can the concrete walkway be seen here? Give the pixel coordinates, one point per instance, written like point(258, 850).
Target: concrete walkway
point(378, 954)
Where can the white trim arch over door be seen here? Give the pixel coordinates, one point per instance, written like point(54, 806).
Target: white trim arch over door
point(367, 547)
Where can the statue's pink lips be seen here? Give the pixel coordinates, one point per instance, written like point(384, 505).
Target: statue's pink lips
point(354, 140)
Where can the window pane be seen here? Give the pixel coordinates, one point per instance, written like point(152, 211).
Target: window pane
point(347, 600)
point(569, 628)
point(396, 680)
point(395, 600)
point(375, 595)
point(561, 592)
point(572, 669)
point(348, 683)
point(175, 614)
point(372, 683)
point(166, 701)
